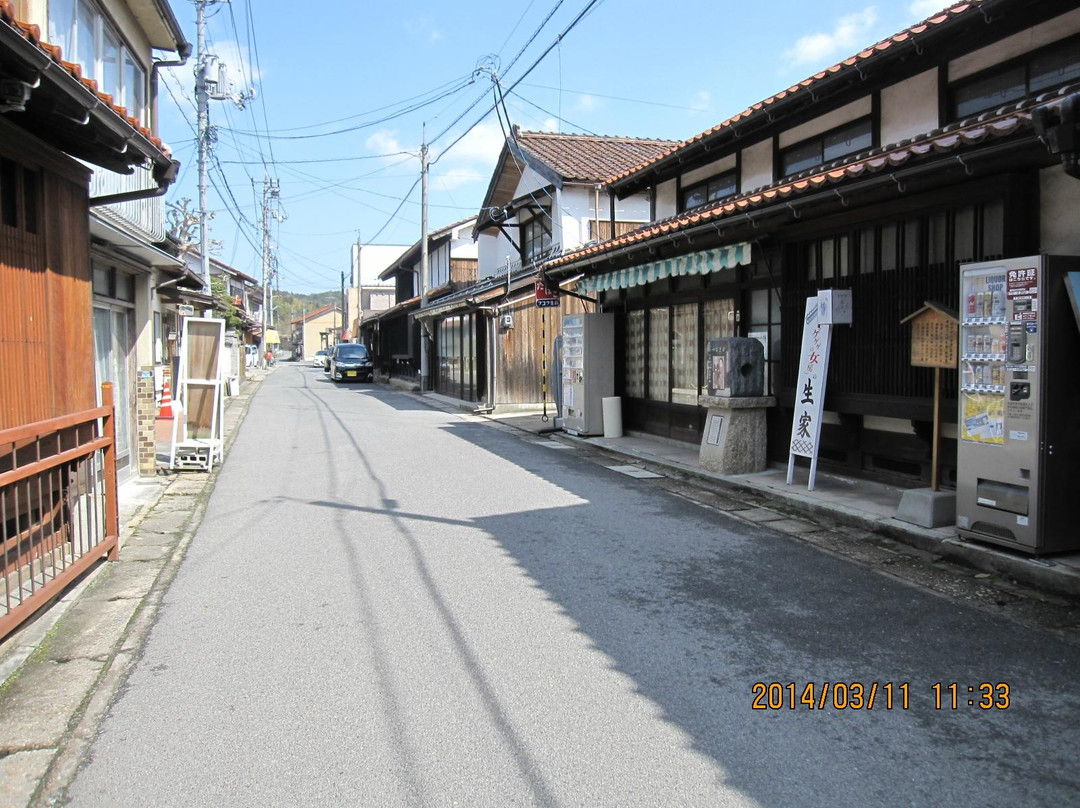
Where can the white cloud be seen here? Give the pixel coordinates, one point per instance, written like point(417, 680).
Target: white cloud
point(849, 34)
point(384, 141)
point(921, 9)
point(423, 27)
point(586, 103)
point(701, 102)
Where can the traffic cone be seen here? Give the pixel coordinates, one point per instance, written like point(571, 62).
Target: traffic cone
point(166, 402)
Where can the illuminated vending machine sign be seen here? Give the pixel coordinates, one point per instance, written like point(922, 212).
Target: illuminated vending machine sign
point(1017, 480)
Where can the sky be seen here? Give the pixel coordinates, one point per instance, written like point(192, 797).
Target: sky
point(343, 93)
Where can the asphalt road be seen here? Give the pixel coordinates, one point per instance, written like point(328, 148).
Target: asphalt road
point(389, 605)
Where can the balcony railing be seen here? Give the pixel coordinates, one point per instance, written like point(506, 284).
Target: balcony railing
point(58, 507)
point(146, 217)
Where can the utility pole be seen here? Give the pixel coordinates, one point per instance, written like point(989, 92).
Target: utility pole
point(207, 89)
point(344, 306)
point(270, 194)
point(202, 102)
point(425, 268)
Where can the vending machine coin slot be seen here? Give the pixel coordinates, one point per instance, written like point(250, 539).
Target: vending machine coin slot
point(1018, 391)
point(1017, 343)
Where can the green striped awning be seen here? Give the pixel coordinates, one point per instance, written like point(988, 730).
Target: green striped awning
point(700, 263)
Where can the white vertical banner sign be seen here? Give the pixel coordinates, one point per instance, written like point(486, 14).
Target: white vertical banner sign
point(810, 391)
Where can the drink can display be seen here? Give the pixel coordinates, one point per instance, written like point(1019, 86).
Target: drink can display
point(971, 343)
point(998, 375)
point(998, 305)
point(1003, 343)
point(971, 304)
point(980, 303)
point(988, 302)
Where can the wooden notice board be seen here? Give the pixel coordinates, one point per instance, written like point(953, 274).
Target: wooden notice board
point(935, 337)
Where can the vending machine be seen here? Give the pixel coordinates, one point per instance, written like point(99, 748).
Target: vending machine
point(1018, 475)
point(588, 371)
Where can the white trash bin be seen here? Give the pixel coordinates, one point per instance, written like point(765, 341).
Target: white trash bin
point(612, 407)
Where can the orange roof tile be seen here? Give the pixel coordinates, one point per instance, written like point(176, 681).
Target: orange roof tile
point(32, 34)
point(1006, 121)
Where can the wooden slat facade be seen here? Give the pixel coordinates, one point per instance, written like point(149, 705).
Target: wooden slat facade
point(519, 355)
point(46, 332)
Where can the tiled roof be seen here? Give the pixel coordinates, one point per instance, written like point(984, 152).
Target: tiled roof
point(317, 313)
point(589, 158)
point(32, 34)
point(951, 139)
point(807, 86)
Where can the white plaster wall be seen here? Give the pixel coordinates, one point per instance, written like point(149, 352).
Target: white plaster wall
point(666, 203)
point(492, 249)
point(632, 209)
point(578, 209)
point(910, 107)
point(1015, 45)
point(710, 170)
point(439, 263)
point(757, 166)
point(374, 258)
point(838, 117)
point(463, 247)
point(1059, 196)
point(530, 181)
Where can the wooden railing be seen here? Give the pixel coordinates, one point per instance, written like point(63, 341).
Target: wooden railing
point(58, 507)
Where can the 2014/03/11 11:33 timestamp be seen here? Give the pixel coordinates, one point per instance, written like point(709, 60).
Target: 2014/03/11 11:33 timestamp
point(867, 695)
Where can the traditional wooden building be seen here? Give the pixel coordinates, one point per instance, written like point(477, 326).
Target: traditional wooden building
point(936, 146)
point(52, 112)
point(394, 335)
point(544, 198)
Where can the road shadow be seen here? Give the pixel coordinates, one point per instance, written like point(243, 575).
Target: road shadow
point(696, 607)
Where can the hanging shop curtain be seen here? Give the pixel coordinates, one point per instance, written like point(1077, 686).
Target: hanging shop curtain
point(700, 263)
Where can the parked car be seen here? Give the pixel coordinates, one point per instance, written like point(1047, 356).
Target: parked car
point(320, 359)
point(351, 360)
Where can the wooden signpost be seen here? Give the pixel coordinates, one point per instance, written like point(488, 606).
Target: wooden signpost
point(935, 343)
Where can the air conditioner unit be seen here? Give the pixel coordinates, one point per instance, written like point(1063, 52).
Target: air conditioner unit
point(507, 321)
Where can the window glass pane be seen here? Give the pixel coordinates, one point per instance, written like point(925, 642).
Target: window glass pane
point(842, 256)
point(695, 197)
point(86, 44)
point(721, 186)
point(110, 68)
point(759, 308)
point(888, 247)
point(125, 287)
point(718, 323)
point(936, 243)
point(9, 192)
point(658, 354)
point(857, 137)
point(811, 262)
point(993, 223)
point(684, 355)
point(635, 354)
point(801, 158)
point(912, 244)
point(102, 281)
point(135, 89)
point(867, 252)
point(990, 92)
point(964, 248)
point(828, 259)
point(62, 25)
point(1056, 67)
